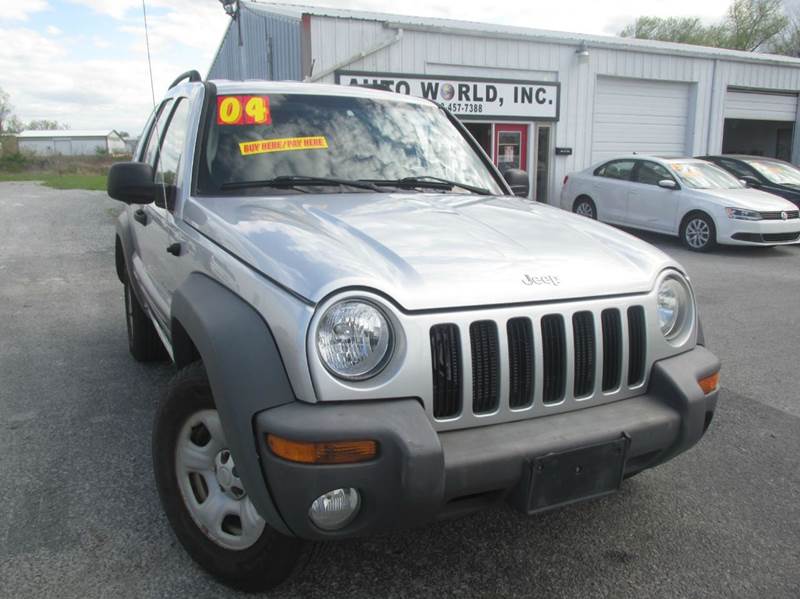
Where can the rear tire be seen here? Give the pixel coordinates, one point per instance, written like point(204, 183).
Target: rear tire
point(698, 232)
point(227, 537)
point(584, 206)
point(143, 341)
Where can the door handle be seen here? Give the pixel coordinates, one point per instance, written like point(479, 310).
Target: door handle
point(174, 249)
point(140, 216)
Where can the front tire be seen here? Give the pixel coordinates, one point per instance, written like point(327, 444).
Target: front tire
point(204, 500)
point(584, 206)
point(698, 232)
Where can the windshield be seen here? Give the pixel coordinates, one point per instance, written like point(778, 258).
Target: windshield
point(704, 175)
point(777, 172)
point(261, 138)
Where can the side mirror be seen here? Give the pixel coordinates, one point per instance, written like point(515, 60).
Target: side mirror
point(132, 183)
point(668, 184)
point(518, 181)
point(750, 181)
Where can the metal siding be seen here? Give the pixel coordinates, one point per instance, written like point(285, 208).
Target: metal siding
point(252, 60)
point(451, 53)
point(760, 106)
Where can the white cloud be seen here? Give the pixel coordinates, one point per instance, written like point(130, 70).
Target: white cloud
point(14, 10)
point(53, 30)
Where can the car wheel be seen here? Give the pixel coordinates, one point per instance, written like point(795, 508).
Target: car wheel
point(204, 499)
point(143, 341)
point(585, 207)
point(698, 232)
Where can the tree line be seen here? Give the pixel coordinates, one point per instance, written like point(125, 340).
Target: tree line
point(749, 25)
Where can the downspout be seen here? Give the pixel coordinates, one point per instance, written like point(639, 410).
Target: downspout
point(711, 110)
point(360, 55)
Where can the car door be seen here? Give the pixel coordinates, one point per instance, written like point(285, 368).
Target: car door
point(158, 234)
point(649, 205)
point(609, 189)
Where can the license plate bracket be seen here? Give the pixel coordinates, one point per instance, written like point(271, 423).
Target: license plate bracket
point(558, 479)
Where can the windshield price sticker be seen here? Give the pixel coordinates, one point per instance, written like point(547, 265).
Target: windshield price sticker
point(285, 144)
point(243, 110)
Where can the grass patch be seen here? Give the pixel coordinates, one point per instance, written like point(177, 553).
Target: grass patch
point(67, 181)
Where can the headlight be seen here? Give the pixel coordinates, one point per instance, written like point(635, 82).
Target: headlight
point(742, 214)
point(675, 307)
point(354, 340)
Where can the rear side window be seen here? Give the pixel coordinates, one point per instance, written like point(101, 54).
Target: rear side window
point(650, 173)
point(154, 136)
point(616, 169)
point(169, 158)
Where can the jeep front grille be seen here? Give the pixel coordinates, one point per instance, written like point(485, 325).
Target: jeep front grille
point(446, 358)
point(570, 357)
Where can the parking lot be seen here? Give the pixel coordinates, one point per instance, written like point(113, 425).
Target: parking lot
point(80, 515)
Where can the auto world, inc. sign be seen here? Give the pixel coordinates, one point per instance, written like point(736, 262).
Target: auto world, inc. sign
point(470, 98)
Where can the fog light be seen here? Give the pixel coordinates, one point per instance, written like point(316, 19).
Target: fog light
point(335, 509)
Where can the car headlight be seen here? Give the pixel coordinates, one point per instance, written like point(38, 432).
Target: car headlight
point(675, 307)
point(742, 214)
point(354, 339)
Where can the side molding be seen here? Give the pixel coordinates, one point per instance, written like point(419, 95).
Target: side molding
point(244, 368)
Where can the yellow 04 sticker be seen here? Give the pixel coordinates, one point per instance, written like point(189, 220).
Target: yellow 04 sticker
point(285, 144)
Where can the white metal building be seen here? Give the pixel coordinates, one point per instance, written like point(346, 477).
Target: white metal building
point(549, 102)
point(71, 143)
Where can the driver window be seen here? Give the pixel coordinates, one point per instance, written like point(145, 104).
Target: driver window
point(156, 132)
point(169, 158)
point(650, 173)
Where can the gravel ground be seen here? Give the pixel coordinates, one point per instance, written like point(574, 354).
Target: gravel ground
point(81, 516)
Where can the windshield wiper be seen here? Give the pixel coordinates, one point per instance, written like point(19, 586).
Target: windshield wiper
point(429, 182)
point(288, 181)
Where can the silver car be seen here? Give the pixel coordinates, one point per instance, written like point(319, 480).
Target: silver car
point(369, 330)
point(692, 199)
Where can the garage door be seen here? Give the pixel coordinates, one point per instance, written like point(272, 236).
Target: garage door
point(642, 116)
point(760, 106)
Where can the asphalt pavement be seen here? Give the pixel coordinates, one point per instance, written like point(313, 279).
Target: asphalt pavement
point(80, 516)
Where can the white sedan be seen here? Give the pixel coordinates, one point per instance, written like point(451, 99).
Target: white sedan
point(692, 199)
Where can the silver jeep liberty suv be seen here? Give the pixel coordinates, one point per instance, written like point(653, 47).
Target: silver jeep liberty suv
point(371, 330)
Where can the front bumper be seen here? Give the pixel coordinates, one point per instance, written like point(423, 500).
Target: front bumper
point(420, 474)
point(759, 232)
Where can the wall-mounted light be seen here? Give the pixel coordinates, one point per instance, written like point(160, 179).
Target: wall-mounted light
point(231, 7)
point(583, 51)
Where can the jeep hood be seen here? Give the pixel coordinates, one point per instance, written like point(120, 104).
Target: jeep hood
point(427, 250)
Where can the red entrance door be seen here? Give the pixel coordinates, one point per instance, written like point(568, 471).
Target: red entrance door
point(511, 146)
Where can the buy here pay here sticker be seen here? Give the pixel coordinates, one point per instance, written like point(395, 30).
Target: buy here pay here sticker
point(285, 144)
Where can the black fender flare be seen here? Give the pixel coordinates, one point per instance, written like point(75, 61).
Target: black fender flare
point(244, 369)
point(123, 245)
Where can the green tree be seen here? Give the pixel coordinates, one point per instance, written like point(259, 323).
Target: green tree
point(749, 25)
point(788, 42)
point(46, 125)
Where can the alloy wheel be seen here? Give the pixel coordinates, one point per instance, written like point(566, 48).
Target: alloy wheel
point(698, 233)
point(585, 209)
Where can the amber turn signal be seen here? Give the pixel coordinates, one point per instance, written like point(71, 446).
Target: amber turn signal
point(322, 452)
point(709, 383)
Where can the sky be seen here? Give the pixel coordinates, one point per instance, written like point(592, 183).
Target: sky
point(84, 62)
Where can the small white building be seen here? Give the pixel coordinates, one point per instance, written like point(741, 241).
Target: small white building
point(547, 102)
point(71, 143)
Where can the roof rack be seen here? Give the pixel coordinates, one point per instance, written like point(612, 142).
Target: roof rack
point(192, 76)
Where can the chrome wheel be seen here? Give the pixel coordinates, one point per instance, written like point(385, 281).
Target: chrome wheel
point(210, 485)
point(585, 208)
point(698, 233)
